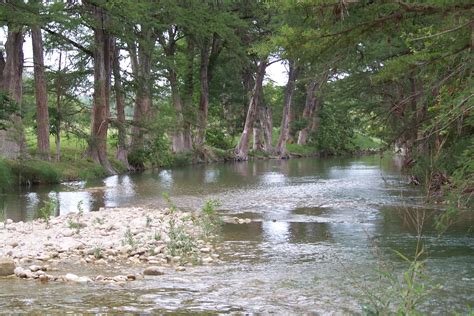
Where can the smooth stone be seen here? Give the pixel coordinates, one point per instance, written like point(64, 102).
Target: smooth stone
point(131, 277)
point(153, 270)
point(68, 232)
point(9, 221)
point(120, 278)
point(205, 250)
point(207, 260)
point(180, 269)
point(35, 268)
point(7, 266)
point(71, 277)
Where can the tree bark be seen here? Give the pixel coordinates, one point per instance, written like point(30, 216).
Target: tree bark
point(204, 97)
point(241, 150)
point(285, 120)
point(177, 136)
point(141, 67)
point(257, 139)
point(266, 120)
point(41, 94)
point(188, 91)
point(122, 148)
point(12, 140)
point(312, 107)
point(102, 74)
point(58, 109)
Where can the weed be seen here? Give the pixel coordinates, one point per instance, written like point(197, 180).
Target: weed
point(48, 209)
point(99, 221)
point(80, 209)
point(128, 238)
point(209, 221)
point(157, 236)
point(171, 205)
point(73, 225)
point(98, 252)
point(181, 242)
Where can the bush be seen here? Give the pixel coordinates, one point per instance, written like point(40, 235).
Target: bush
point(35, 171)
point(6, 176)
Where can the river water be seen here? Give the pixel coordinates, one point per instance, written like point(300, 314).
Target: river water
point(321, 229)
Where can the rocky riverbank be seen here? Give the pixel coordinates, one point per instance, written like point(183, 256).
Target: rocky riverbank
point(155, 240)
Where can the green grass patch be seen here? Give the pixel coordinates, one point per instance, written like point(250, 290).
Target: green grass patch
point(301, 149)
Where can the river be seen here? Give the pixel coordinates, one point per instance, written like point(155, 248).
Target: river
point(320, 230)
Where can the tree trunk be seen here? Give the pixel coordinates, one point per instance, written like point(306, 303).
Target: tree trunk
point(187, 98)
point(41, 94)
point(285, 120)
point(12, 140)
point(266, 120)
point(241, 150)
point(122, 148)
point(177, 136)
point(204, 97)
point(102, 74)
point(58, 110)
point(257, 139)
point(143, 99)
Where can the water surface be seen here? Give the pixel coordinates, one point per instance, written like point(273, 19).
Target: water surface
point(320, 229)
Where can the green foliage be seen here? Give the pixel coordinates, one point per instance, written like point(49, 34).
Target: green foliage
point(180, 243)
point(335, 133)
point(98, 252)
point(47, 210)
point(129, 239)
point(216, 137)
point(173, 208)
point(209, 221)
point(6, 175)
point(7, 108)
point(35, 171)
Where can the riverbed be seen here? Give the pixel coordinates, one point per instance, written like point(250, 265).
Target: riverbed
point(320, 230)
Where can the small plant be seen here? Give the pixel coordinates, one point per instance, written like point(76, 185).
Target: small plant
point(98, 252)
point(209, 221)
point(48, 209)
point(180, 243)
point(80, 209)
point(210, 206)
point(128, 238)
point(73, 225)
point(148, 221)
point(99, 221)
point(171, 205)
point(157, 236)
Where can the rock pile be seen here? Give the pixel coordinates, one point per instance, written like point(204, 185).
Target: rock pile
point(127, 236)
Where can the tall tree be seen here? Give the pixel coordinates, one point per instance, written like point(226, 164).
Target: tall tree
point(13, 143)
point(241, 150)
point(285, 119)
point(102, 75)
point(41, 94)
point(121, 124)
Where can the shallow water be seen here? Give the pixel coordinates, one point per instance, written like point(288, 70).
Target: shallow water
point(320, 228)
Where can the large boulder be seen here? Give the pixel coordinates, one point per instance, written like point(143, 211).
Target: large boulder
point(7, 266)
